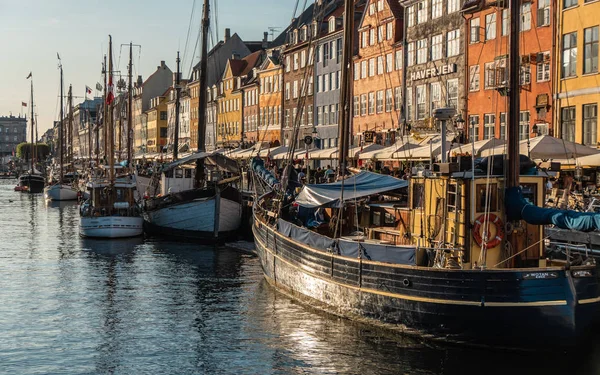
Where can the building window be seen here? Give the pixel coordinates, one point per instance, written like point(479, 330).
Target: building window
point(523, 125)
point(409, 106)
point(569, 52)
point(380, 101)
point(421, 102)
point(436, 47)
point(505, 22)
point(331, 24)
point(453, 43)
point(379, 65)
point(398, 59)
point(310, 115)
point(422, 12)
point(411, 16)
point(590, 124)
point(379, 5)
point(326, 82)
point(356, 106)
point(372, 8)
point(365, 36)
point(372, 40)
point(567, 120)
point(474, 78)
point(490, 26)
point(436, 9)
point(363, 104)
point(389, 63)
point(543, 67)
point(296, 61)
point(474, 37)
point(503, 125)
point(339, 50)
point(411, 54)
point(436, 95)
point(389, 100)
point(389, 31)
point(474, 127)
point(363, 69)
point(452, 93)
point(543, 13)
point(453, 6)
point(320, 115)
point(380, 33)
point(397, 97)
point(525, 74)
point(569, 3)
point(163, 115)
point(371, 103)
point(356, 72)
point(287, 64)
point(590, 50)
point(371, 67)
point(422, 51)
point(525, 16)
point(303, 59)
point(489, 123)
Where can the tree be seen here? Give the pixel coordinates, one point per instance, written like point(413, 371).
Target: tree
point(24, 151)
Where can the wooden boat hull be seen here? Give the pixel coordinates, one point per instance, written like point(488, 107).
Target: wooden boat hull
point(111, 226)
point(195, 219)
point(33, 183)
point(60, 192)
point(526, 308)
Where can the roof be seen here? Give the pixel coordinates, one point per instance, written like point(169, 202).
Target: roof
point(242, 67)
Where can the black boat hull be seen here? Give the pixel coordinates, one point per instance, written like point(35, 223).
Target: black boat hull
point(34, 183)
point(525, 308)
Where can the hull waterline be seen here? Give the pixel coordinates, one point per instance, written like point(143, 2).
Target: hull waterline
point(60, 192)
point(111, 226)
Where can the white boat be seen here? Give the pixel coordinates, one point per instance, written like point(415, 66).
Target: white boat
point(111, 211)
point(60, 192)
point(213, 212)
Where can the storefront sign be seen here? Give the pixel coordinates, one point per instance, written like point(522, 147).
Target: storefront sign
point(369, 136)
point(433, 72)
point(541, 100)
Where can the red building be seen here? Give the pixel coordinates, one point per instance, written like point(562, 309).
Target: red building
point(487, 28)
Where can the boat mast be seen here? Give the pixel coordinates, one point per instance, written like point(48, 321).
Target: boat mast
point(345, 87)
point(513, 108)
point(129, 110)
point(177, 98)
point(60, 130)
point(109, 128)
point(104, 108)
point(202, 96)
point(31, 152)
point(70, 131)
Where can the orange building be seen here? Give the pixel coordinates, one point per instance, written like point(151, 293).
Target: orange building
point(488, 28)
point(270, 100)
point(378, 72)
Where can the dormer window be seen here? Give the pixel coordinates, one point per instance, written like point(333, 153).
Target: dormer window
point(314, 29)
point(303, 34)
point(332, 24)
point(379, 5)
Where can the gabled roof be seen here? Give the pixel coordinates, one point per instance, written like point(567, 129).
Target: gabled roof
point(242, 67)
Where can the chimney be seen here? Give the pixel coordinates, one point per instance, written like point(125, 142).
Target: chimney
point(162, 64)
point(139, 82)
point(265, 41)
point(227, 34)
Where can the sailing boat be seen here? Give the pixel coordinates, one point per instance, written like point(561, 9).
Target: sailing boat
point(433, 257)
point(193, 208)
point(111, 211)
point(60, 191)
point(32, 181)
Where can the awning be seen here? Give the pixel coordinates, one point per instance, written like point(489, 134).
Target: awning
point(388, 153)
point(546, 147)
point(423, 152)
point(357, 186)
point(479, 146)
point(220, 161)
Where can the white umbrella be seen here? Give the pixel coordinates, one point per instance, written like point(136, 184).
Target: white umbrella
point(546, 147)
point(423, 152)
point(479, 146)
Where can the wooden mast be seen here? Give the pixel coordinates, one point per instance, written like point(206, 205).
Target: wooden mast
point(104, 107)
point(129, 110)
point(177, 99)
point(32, 150)
point(109, 128)
point(345, 86)
point(70, 132)
point(202, 96)
point(61, 130)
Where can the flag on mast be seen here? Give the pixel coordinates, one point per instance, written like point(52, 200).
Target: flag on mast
point(88, 90)
point(29, 76)
point(110, 96)
point(23, 104)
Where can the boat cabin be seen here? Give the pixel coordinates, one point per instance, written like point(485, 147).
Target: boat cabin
point(118, 200)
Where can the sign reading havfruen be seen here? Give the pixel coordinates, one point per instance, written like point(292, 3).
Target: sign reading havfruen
point(433, 72)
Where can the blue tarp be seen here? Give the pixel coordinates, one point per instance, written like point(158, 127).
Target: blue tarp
point(357, 186)
point(348, 248)
point(518, 208)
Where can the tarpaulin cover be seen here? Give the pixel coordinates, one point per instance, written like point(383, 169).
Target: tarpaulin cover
point(348, 248)
point(359, 185)
point(519, 208)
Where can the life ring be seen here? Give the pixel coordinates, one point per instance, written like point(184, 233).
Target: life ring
point(492, 242)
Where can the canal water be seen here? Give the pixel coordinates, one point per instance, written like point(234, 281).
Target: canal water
point(75, 306)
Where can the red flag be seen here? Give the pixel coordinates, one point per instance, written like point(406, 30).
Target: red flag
point(88, 90)
point(109, 91)
point(23, 104)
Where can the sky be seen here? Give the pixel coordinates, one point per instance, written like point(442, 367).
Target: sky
point(32, 32)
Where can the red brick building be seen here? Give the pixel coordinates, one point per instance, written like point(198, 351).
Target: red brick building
point(488, 27)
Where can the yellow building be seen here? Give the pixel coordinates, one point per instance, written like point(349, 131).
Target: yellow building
point(270, 101)
point(230, 112)
point(194, 102)
point(576, 71)
point(157, 124)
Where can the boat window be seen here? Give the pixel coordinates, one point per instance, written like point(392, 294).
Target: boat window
point(417, 195)
point(486, 197)
point(178, 173)
point(188, 173)
point(389, 218)
point(120, 194)
point(377, 218)
point(169, 173)
point(529, 192)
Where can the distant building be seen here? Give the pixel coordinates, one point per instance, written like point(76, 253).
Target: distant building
point(157, 124)
point(84, 116)
point(13, 130)
point(266, 127)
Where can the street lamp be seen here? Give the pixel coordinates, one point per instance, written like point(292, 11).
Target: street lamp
point(460, 126)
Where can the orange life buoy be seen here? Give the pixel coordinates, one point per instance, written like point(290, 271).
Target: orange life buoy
point(491, 242)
